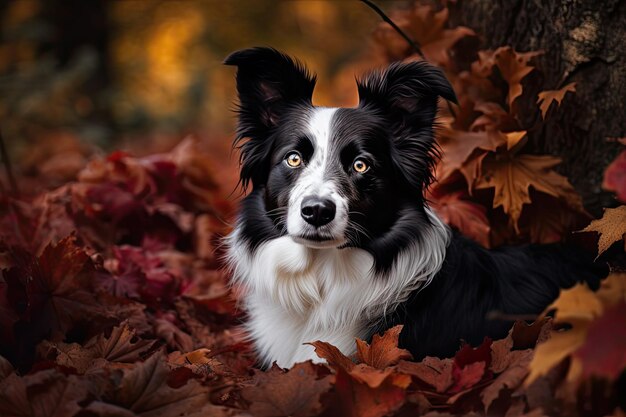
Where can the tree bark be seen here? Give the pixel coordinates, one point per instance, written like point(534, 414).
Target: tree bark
point(583, 42)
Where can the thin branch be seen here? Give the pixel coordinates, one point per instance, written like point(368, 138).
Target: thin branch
point(7, 166)
point(386, 18)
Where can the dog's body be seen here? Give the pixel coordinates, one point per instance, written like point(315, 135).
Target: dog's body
point(336, 241)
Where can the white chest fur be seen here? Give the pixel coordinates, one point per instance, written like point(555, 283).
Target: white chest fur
point(295, 294)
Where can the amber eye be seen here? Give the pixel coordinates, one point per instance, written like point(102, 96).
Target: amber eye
point(293, 159)
point(360, 166)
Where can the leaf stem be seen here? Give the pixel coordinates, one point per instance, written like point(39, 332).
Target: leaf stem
point(386, 18)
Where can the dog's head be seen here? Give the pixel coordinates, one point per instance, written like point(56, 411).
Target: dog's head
point(333, 177)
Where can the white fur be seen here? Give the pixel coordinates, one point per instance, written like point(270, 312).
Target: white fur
point(313, 182)
point(296, 294)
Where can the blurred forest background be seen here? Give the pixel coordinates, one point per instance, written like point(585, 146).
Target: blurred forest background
point(142, 74)
point(78, 77)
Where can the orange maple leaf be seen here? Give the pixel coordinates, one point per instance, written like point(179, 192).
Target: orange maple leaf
point(611, 227)
point(584, 310)
point(383, 351)
point(547, 97)
point(428, 28)
point(512, 175)
point(513, 67)
point(458, 148)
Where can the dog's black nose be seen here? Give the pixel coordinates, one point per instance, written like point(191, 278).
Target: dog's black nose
point(317, 211)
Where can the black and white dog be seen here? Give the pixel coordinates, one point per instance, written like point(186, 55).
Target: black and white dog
point(335, 239)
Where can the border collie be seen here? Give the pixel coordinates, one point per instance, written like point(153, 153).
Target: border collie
point(335, 239)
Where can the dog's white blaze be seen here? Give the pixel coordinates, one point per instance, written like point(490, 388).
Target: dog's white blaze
point(312, 181)
point(297, 294)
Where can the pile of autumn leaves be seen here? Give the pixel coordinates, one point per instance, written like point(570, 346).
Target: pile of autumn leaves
point(486, 185)
point(113, 303)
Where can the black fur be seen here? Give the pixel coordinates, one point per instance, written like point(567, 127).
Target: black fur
point(477, 285)
point(268, 83)
point(393, 129)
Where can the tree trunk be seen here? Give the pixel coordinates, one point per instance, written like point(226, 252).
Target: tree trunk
point(583, 42)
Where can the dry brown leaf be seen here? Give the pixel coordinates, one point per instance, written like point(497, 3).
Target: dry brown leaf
point(547, 97)
point(513, 67)
point(611, 227)
point(458, 146)
point(513, 139)
point(332, 355)
point(362, 389)
point(434, 371)
point(512, 175)
point(173, 335)
point(603, 354)
point(357, 399)
point(43, 394)
point(427, 27)
point(510, 377)
point(121, 345)
point(295, 392)
point(494, 117)
point(577, 307)
point(383, 351)
point(144, 390)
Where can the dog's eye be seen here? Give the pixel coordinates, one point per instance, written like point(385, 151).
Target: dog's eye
point(293, 159)
point(360, 166)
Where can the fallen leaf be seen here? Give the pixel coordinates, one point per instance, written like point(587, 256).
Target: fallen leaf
point(470, 365)
point(603, 354)
point(494, 117)
point(547, 97)
point(332, 355)
point(611, 227)
point(509, 377)
point(427, 27)
point(577, 307)
point(121, 345)
point(51, 294)
point(467, 376)
point(360, 400)
point(175, 337)
point(295, 392)
point(363, 390)
point(458, 146)
point(513, 67)
point(383, 351)
point(143, 389)
point(433, 371)
point(43, 394)
point(513, 139)
point(512, 175)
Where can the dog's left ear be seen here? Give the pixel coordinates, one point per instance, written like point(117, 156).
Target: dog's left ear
point(268, 82)
point(406, 94)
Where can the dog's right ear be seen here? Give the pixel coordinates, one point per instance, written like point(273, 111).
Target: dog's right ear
point(268, 81)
